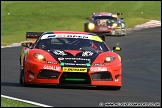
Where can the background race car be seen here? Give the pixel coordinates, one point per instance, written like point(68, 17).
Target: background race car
point(106, 23)
point(66, 57)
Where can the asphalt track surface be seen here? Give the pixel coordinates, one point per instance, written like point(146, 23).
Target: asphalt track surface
point(141, 61)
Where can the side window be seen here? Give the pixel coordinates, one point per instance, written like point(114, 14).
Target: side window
point(100, 46)
point(55, 41)
point(43, 44)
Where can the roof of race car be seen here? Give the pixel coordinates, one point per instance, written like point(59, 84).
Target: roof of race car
point(70, 34)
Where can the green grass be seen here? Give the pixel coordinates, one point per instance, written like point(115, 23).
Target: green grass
point(12, 103)
point(67, 15)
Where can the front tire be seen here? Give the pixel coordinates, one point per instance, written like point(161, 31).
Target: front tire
point(23, 78)
point(115, 87)
point(20, 81)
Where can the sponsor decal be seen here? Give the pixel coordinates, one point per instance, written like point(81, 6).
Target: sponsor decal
point(81, 64)
point(78, 36)
point(77, 59)
point(76, 64)
point(73, 36)
point(58, 52)
point(87, 53)
point(69, 63)
point(52, 67)
point(61, 35)
point(96, 38)
point(71, 69)
point(60, 58)
point(45, 36)
point(52, 36)
point(50, 62)
point(98, 64)
point(95, 69)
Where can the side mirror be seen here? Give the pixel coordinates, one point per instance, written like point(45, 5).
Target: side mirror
point(103, 37)
point(116, 49)
point(26, 44)
point(23, 44)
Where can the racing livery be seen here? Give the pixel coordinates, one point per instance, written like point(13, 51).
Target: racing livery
point(105, 23)
point(68, 57)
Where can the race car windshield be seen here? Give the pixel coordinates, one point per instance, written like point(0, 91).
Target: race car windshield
point(70, 44)
point(104, 17)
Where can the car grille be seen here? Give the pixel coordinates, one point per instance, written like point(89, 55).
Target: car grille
point(101, 76)
point(75, 78)
point(48, 74)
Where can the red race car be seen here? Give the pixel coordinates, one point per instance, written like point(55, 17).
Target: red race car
point(105, 23)
point(68, 57)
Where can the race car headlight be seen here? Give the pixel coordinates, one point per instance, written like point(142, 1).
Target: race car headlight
point(109, 59)
point(114, 25)
point(91, 26)
point(39, 56)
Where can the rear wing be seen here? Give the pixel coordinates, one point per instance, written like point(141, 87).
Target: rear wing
point(34, 35)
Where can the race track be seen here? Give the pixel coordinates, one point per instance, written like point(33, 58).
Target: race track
point(141, 60)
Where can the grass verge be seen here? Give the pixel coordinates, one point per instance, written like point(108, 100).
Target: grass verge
point(18, 17)
point(5, 102)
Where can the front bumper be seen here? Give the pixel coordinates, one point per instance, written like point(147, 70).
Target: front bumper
point(38, 74)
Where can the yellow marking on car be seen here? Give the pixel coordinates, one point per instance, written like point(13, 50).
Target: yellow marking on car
point(117, 27)
point(119, 57)
point(73, 69)
point(96, 38)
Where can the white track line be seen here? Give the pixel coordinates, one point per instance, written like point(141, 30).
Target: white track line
point(26, 101)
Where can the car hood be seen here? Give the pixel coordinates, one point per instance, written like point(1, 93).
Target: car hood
point(75, 57)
